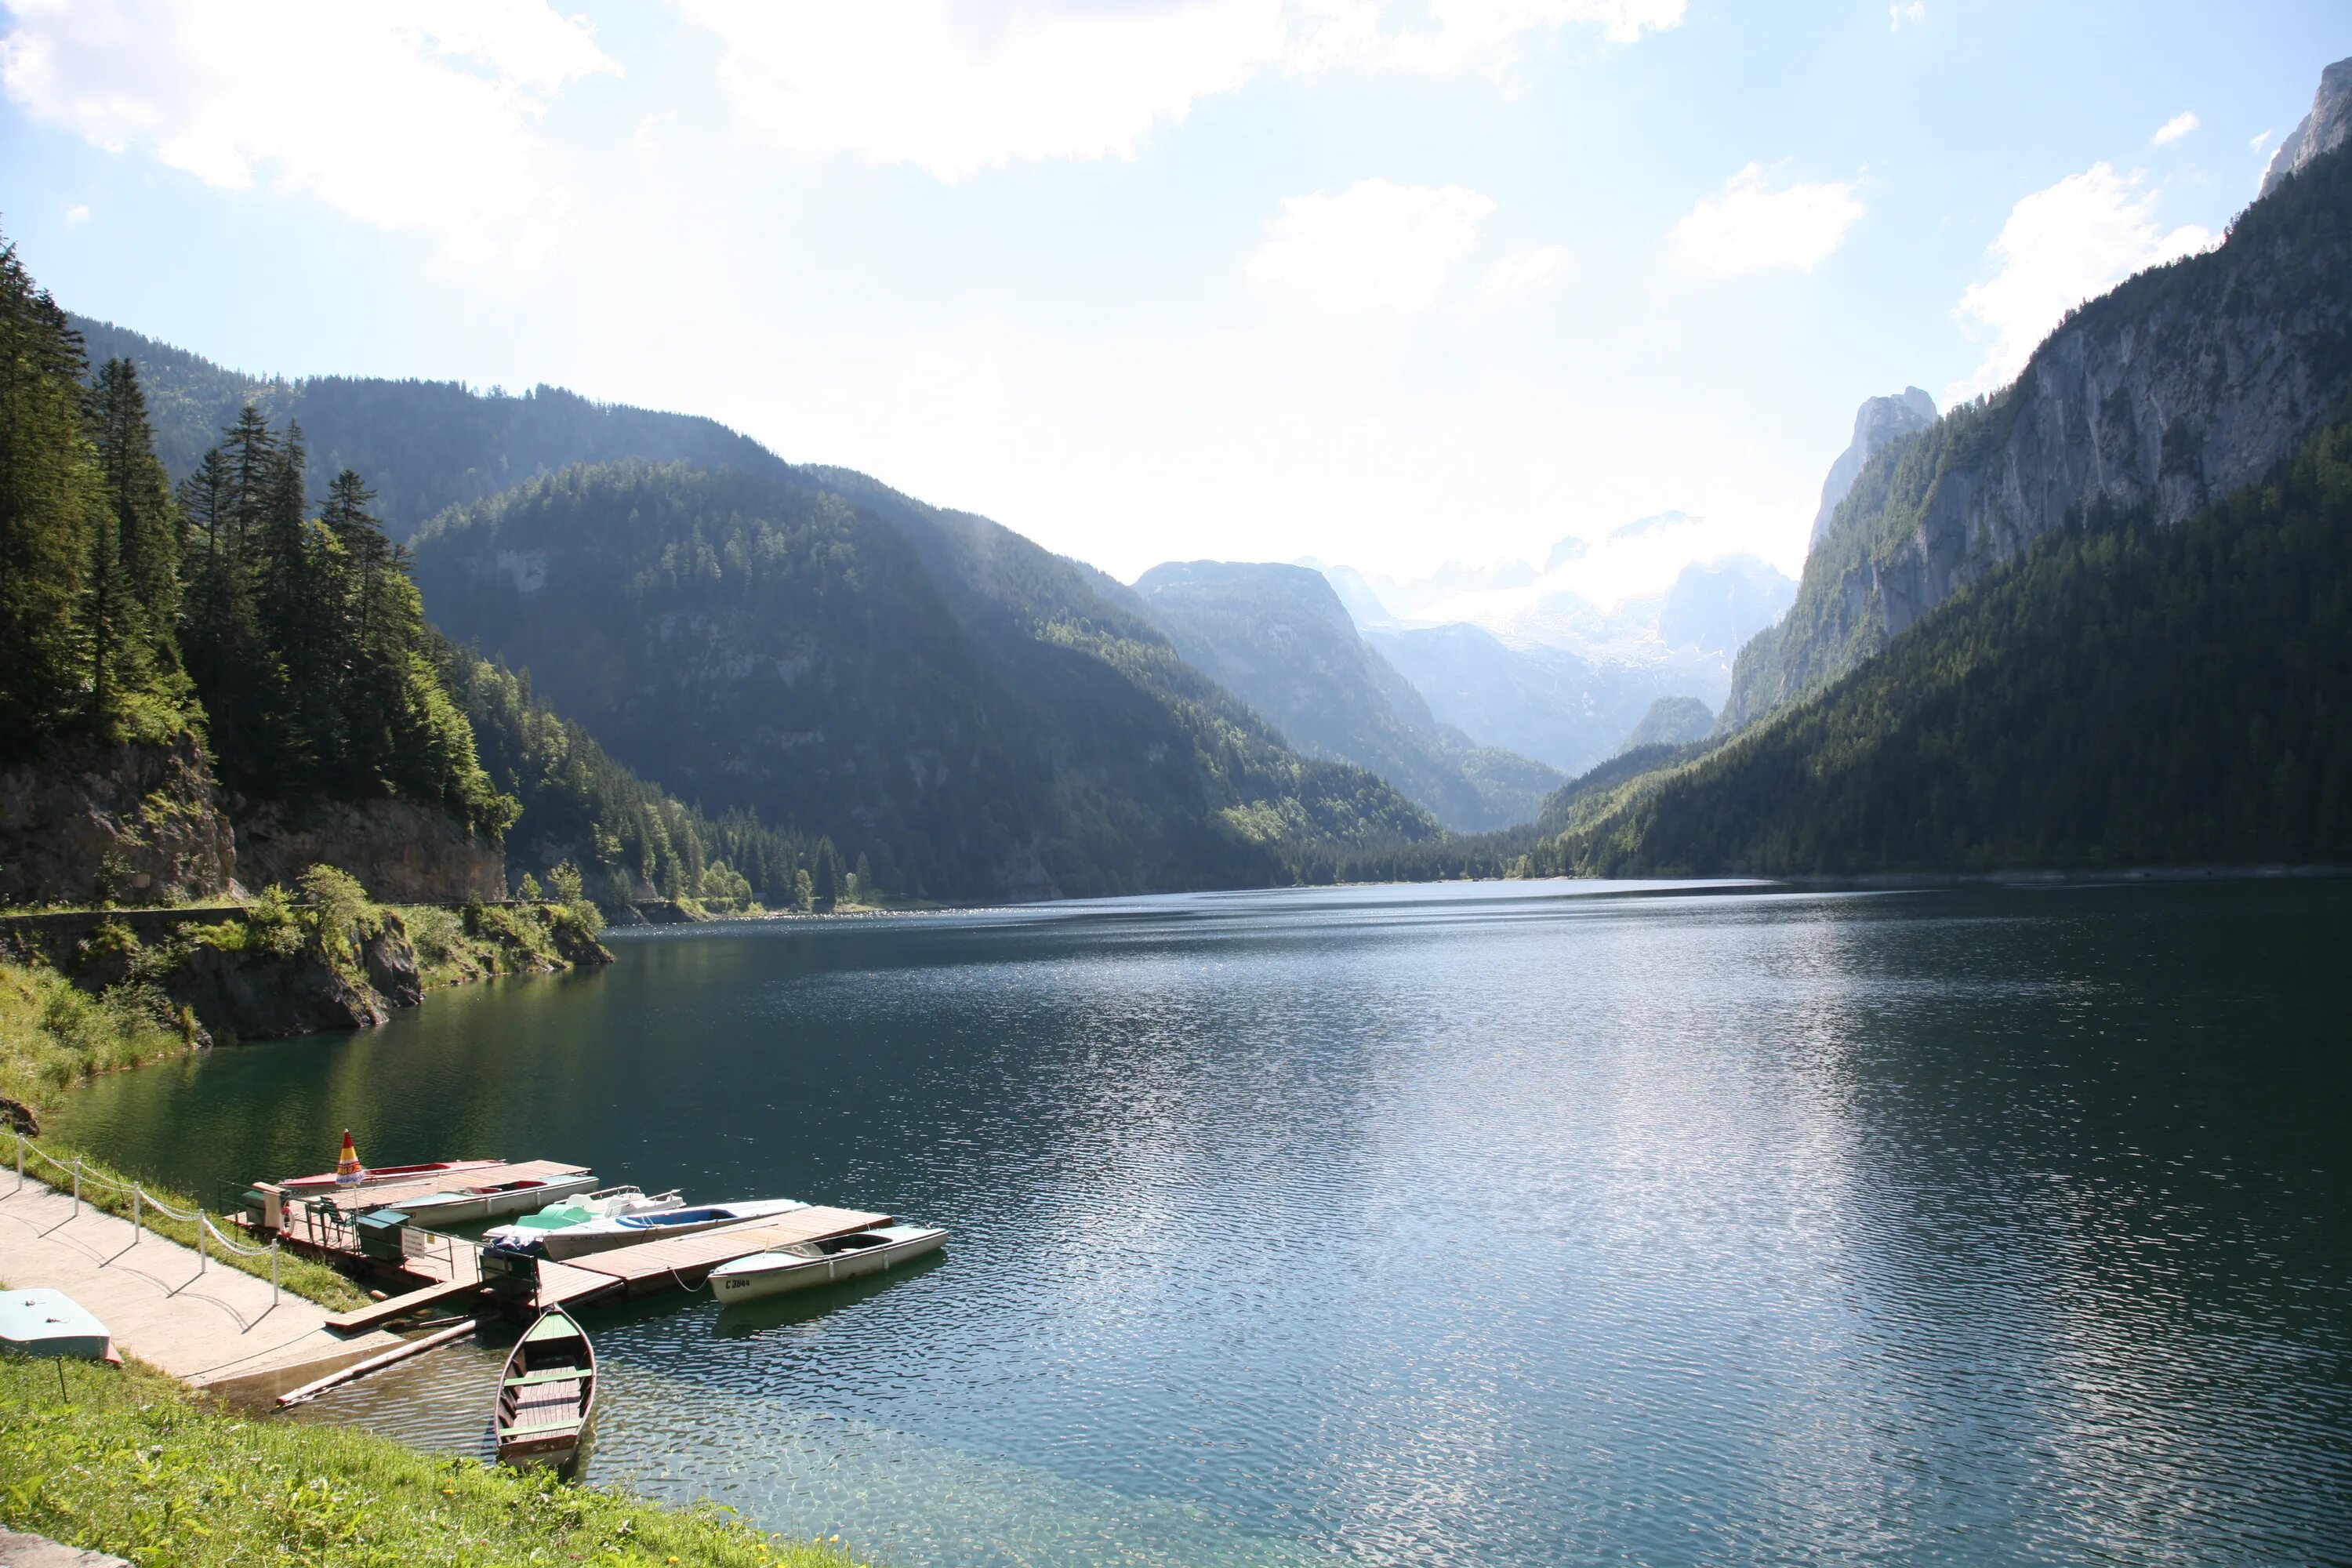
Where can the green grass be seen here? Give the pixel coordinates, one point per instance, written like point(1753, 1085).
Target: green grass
point(129, 1463)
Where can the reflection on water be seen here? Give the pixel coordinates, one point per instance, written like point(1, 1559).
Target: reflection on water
point(1525, 1224)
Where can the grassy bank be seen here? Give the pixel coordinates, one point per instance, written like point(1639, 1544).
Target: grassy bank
point(131, 1464)
point(455, 946)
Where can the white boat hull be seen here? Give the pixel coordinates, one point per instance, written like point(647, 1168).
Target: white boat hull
point(766, 1274)
point(465, 1208)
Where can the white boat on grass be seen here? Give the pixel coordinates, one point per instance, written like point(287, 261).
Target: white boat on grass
point(495, 1201)
point(528, 1234)
point(627, 1230)
point(797, 1265)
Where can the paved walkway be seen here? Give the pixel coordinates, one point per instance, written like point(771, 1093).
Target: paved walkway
point(213, 1328)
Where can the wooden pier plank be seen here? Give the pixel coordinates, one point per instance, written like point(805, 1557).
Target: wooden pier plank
point(393, 1307)
point(687, 1260)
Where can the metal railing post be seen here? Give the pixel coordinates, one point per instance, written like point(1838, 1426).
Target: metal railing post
point(200, 1240)
point(134, 1214)
point(273, 1274)
point(20, 1159)
point(77, 1214)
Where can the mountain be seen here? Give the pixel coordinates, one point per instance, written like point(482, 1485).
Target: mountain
point(1393, 598)
point(2327, 127)
point(1715, 607)
point(980, 718)
point(1653, 608)
point(1544, 702)
point(1672, 721)
point(1077, 753)
point(1278, 638)
point(2075, 624)
point(2182, 387)
point(424, 445)
point(1876, 424)
point(2126, 692)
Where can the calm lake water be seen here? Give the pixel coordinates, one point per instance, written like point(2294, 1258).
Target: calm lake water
point(1516, 1223)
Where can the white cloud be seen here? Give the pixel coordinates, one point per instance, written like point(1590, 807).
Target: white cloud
point(1375, 246)
point(1525, 271)
point(406, 116)
point(1747, 225)
point(2174, 128)
point(1914, 14)
point(2262, 141)
point(947, 89)
point(77, 213)
point(2063, 245)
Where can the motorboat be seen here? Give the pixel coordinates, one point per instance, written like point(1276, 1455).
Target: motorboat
point(526, 1234)
point(628, 1230)
point(798, 1265)
point(547, 1395)
point(495, 1200)
point(381, 1176)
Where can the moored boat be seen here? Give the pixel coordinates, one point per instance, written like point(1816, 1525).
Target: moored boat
point(528, 1233)
point(493, 1201)
point(628, 1230)
point(798, 1265)
point(380, 1175)
point(547, 1396)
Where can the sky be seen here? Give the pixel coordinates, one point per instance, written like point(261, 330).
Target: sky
point(1389, 284)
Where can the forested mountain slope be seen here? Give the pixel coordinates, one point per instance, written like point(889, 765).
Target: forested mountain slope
point(1278, 638)
point(424, 445)
point(2126, 693)
point(972, 713)
point(2175, 389)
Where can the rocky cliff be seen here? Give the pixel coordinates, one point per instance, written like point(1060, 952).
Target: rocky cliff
point(1877, 424)
point(2327, 127)
point(2188, 382)
point(88, 822)
point(403, 853)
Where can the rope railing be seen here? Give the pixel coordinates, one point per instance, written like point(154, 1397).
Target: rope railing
point(142, 1199)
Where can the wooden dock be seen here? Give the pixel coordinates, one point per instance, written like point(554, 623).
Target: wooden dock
point(685, 1261)
point(445, 1271)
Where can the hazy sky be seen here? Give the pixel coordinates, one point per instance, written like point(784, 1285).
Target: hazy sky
point(1389, 284)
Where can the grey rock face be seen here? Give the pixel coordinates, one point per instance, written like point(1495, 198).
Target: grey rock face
point(135, 823)
point(2327, 127)
point(1878, 422)
point(401, 853)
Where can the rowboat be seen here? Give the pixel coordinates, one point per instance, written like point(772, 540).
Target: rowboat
point(381, 1175)
point(627, 1230)
point(526, 1234)
point(797, 1265)
point(547, 1396)
point(494, 1201)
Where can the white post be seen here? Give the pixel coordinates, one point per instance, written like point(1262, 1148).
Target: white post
point(273, 1274)
point(200, 1238)
point(20, 1159)
point(77, 1214)
point(134, 1214)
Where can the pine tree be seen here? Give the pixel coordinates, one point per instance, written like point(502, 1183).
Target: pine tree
point(48, 501)
point(131, 596)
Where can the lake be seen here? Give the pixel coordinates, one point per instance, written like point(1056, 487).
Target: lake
point(1516, 1223)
